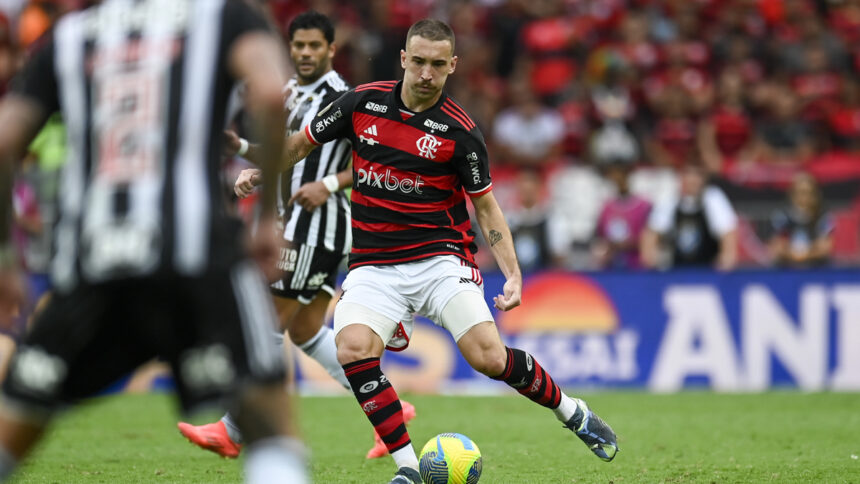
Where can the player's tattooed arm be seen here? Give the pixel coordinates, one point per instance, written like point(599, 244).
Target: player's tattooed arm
point(297, 147)
point(498, 235)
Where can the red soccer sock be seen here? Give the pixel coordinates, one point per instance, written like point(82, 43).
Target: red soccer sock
point(525, 375)
point(379, 402)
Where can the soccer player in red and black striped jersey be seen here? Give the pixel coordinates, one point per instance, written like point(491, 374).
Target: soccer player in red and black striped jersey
point(417, 156)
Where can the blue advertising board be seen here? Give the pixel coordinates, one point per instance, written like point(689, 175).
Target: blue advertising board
point(737, 331)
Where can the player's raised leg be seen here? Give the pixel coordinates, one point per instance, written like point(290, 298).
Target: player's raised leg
point(359, 349)
point(482, 347)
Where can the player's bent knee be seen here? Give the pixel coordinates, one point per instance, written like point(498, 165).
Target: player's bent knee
point(483, 349)
point(346, 356)
point(300, 335)
point(491, 363)
point(489, 359)
point(307, 320)
point(356, 342)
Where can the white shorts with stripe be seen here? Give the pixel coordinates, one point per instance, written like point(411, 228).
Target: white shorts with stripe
point(385, 298)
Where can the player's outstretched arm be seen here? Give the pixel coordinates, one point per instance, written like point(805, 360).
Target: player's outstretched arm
point(296, 149)
point(310, 195)
point(235, 145)
point(498, 236)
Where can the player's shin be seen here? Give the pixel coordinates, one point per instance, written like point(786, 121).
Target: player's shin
point(524, 374)
point(382, 407)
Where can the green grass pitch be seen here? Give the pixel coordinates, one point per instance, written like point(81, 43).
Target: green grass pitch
point(679, 438)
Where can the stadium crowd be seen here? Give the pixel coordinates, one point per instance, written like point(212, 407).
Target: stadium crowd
point(604, 118)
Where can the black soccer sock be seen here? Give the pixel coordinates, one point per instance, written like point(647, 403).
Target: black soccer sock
point(379, 402)
point(525, 375)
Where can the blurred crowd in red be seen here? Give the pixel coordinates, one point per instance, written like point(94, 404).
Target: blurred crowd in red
point(595, 110)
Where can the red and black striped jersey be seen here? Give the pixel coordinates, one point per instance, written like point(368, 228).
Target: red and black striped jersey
point(411, 174)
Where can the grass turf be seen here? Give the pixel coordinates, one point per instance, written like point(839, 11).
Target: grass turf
point(687, 437)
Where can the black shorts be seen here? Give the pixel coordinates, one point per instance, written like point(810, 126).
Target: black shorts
point(307, 271)
point(215, 331)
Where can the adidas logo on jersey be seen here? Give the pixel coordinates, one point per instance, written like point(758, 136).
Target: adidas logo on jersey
point(371, 131)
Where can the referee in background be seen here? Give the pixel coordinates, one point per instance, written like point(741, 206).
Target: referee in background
point(147, 261)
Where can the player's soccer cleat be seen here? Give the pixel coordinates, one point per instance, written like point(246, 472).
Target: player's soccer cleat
point(592, 430)
point(406, 475)
point(212, 437)
point(379, 449)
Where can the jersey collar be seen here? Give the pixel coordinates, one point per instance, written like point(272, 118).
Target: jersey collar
point(294, 83)
point(398, 102)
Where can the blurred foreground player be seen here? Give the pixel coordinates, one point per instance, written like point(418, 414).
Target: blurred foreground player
point(317, 217)
point(416, 154)
point(148, 263)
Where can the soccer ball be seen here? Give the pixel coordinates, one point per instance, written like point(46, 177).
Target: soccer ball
point(450, 459)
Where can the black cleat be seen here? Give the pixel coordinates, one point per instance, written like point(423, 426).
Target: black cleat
point(592, 430)
point(406, 475)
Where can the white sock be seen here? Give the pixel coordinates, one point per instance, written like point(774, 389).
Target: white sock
point(405, 457)
point(276, 459)
point(565, 408)
point(322, 348)
point(232, 429)
point(8, 463)
point(279, 339)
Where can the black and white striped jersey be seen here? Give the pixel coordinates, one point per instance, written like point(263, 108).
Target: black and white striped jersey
point(143, 87)
point(328, 226)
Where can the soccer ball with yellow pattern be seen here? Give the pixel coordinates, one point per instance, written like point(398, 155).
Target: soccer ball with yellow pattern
point(450, 459)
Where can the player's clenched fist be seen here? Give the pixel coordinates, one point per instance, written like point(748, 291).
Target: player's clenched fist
point(246, 182)
point(512, 296)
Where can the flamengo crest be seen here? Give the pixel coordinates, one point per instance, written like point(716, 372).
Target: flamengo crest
point(427, 146)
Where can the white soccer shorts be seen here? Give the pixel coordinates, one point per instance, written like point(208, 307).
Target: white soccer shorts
point(385, 298)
